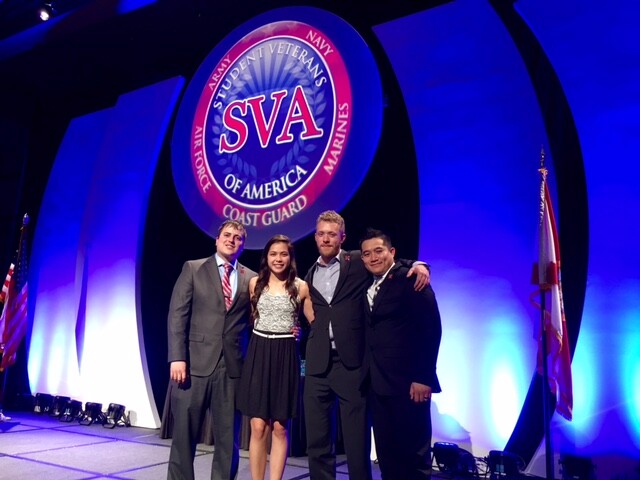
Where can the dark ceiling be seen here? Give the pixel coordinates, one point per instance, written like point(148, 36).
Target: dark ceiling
point(19, 15)
point(94, 54)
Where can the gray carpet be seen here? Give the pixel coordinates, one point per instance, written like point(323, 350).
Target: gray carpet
point(36, 446)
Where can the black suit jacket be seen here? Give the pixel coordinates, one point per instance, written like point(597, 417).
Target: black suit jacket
point(200, 329)
point(345, 312)
point(403, 332)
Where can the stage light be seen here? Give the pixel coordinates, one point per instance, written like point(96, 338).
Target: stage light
point(453, 460)
point(58, 405)
point(92, 413)
point(446, 456)
point(46, 12)
point(467, 466)
point(72, 410)
point(504, 465)
point(115, 416)
point(42, 403)
point(577, 468)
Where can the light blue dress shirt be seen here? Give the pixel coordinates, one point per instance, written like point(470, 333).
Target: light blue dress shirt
point(325, 281)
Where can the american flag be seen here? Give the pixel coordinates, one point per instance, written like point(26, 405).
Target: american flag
point(14, 314)
point(5, 287)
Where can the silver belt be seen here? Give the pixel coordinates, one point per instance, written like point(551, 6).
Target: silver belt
point(273, 335)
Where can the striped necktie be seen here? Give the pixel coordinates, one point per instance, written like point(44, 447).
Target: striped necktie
point(226, 285)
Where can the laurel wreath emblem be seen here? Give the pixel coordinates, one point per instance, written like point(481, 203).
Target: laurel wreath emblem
point(299, 151)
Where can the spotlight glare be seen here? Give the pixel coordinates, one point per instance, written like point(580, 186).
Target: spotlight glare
point(46, 12)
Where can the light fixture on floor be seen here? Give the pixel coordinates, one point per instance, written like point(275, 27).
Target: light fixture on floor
point(72, 410)
point(504, 465)
point(446, 456)
point(58, 405)
point(453, 460)
point(92, 413)
point(42, 403)
point(577, 468)
point(115, 416)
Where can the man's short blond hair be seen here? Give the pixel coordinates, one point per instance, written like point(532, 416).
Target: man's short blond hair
point(333, 217)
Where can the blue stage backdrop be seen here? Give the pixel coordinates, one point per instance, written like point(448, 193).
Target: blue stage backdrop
point(479, 120)
point(486, 86)
point(86, 339)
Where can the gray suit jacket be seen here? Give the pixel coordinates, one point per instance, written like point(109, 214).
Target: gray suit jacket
point(200, 329)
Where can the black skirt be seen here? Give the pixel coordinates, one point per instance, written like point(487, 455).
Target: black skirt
point(270, 378)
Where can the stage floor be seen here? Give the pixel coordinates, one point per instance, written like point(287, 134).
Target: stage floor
point(36, 446)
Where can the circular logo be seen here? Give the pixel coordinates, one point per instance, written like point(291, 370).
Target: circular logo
point(267, 133)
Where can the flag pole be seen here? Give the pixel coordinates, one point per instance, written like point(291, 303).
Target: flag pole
point(5, 373)
point(544, 287)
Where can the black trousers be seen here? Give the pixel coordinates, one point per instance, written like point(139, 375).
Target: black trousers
point(320, 395)
point(402, 431)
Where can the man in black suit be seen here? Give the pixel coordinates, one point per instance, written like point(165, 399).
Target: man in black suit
point(402, 340)
point(335, 346)
point(208, 335)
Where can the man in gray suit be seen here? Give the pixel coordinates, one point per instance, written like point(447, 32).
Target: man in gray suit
point(208, 334)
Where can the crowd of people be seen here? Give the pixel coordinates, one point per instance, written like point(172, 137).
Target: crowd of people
point(371, 349)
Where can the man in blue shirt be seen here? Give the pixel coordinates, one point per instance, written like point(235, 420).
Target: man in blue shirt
point(335, 348)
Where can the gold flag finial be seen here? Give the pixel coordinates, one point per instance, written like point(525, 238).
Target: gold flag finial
point(543, 170)
point(543, 180)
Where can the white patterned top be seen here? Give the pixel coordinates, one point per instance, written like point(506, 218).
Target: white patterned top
point(277, 313)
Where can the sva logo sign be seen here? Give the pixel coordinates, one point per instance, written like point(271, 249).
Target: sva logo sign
point(267, 125)
point(298, 112)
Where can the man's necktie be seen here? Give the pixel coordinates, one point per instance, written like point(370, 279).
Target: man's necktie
point(226, 285)
point(372, 291)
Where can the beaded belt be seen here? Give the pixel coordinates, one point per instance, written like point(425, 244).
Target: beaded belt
point(273, 335)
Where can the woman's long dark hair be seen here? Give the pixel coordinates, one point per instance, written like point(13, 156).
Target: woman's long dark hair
point(263, 276)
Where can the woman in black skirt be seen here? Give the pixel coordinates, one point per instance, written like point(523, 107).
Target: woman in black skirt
point(268, 392)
